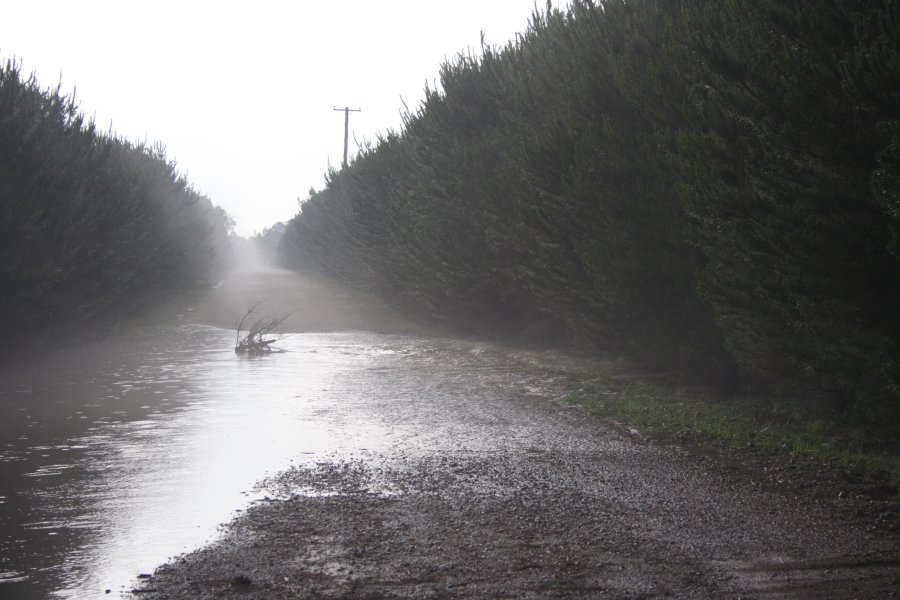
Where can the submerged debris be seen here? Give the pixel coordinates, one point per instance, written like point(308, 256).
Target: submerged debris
point(259, 337)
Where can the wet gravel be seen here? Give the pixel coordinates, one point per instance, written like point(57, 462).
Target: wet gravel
point(577, 508)
point(484, 483)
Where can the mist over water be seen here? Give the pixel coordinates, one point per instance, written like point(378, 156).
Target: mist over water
point(111, 468)
point(116, 461)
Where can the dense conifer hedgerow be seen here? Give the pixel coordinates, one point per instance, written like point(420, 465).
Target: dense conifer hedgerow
point(705, 185)
point(89, 223)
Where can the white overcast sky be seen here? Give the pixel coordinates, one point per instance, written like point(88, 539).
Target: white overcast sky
point(241, 93)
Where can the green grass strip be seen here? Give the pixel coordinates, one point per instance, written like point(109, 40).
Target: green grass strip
point(863, 441)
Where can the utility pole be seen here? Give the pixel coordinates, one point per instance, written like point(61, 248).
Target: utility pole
point(347, 110)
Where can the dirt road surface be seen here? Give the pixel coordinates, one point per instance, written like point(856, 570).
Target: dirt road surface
point(491, 486)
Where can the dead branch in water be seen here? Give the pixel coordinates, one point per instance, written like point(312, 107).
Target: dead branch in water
point(260, 336)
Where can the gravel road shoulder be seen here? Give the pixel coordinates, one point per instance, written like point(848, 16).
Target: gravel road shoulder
point(623, 518)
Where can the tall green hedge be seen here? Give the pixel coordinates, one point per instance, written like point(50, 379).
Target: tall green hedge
point(89, 223)
point(708, 186)
point(785, 172)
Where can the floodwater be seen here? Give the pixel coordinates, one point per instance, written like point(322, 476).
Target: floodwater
point(115, 459)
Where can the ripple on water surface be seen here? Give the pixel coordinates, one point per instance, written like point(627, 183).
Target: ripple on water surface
point(142, 453)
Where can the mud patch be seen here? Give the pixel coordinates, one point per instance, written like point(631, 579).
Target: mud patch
point(521, 524)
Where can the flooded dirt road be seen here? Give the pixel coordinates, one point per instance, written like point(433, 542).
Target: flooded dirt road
point(475, 481)
point(402, 466)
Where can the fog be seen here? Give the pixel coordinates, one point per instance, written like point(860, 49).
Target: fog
point(313, 301)
point(243, 97)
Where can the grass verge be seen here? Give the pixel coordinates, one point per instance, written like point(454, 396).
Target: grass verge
point(862, 441)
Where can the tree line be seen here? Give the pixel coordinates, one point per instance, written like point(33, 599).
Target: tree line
point(709, 186)
point(90, 223)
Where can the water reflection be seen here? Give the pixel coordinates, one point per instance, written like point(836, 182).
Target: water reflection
point(114, 461)
point(108, 469)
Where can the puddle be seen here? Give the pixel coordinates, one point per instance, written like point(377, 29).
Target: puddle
point(134, 456)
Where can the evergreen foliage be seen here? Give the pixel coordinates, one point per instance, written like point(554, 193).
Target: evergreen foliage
point(709, 186)
point(89, 223)
point(786, 173)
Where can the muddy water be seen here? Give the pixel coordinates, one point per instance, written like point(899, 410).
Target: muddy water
point(114, 459)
